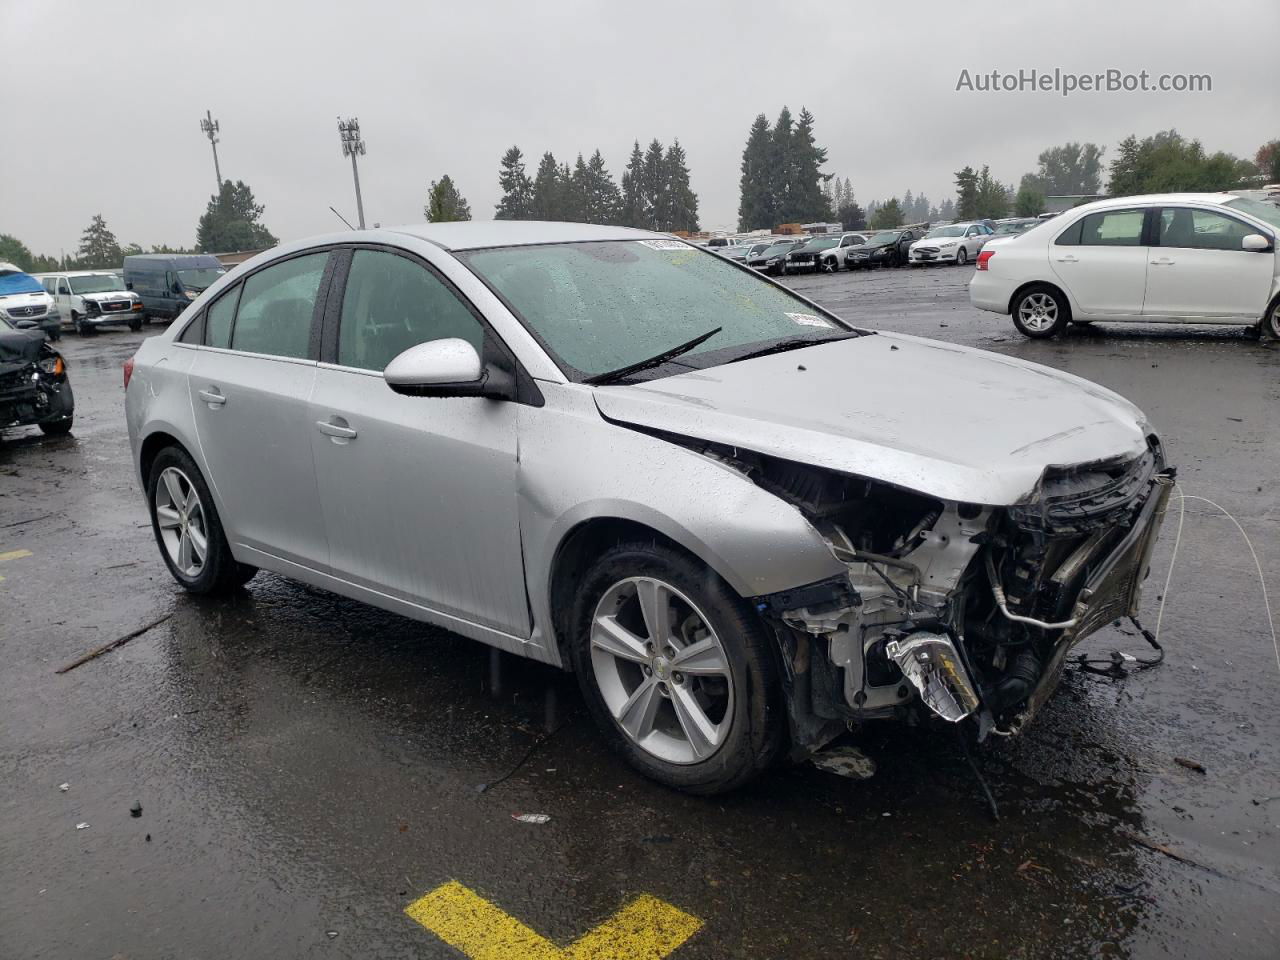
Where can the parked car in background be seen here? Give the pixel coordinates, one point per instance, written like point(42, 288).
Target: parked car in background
point(888, 248)
point(1015, 226)
point(34, 387)
point(772, 257)
point(737, 252)
point(167, 282)
point(821, 253)
point(648, 467)
point(26, 304)
point(90, 299)
point(1172, 258)
point(955, 243)
point(721, 242)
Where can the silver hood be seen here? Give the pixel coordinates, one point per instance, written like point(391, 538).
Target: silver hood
point(948, 421)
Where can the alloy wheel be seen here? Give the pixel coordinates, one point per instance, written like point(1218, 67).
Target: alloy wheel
point(180, 517)
point(1038, 311)
point(662, 671)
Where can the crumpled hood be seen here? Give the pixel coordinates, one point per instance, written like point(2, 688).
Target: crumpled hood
point(945, 420)
point(110, 296)
point(20, 346)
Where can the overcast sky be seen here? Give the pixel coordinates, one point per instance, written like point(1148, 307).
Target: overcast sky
point(102, 100)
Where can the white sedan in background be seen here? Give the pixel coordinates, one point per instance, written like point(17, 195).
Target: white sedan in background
point(1175, 258)
point(957, 243)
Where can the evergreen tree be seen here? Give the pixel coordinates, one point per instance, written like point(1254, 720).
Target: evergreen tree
point(992, 201)
point(634, 213)
point(805, 191)
point(1029, 202)
point(909, 205)
point(657, 195)
point(517, 188)
point(545, 203)
point(966, 194)
point(232, 221)
point(851, 216)
point(682, 202)
point(13, 250)
point(887, 216)
point(781, 167)
point(756, 205)
point(571, 201)
point(948, 210)
point(604, 202)
point(445, 203)
point(98, 246)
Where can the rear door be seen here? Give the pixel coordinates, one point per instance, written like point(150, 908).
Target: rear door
point(418, 493)
point(250, 387)
point(1198, 267)
point(1101, 259)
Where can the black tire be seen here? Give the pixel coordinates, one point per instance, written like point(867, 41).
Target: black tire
point(1269, 328)
point(1061, 311)
point(221, 572)
point(135, 325)
point(59, 428)
point(962, 257)
point(757, 735)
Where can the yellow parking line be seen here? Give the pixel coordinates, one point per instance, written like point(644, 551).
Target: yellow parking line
point(646, 928)
point(14, 555)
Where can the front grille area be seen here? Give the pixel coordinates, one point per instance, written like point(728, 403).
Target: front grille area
point(115, 306)
point(24, 313)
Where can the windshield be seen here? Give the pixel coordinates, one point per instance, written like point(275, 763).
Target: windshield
point(600, 306)
point(887, 236)
point(1267, 212)
point(14, 281)
point(199, 279)
point(952, 231)
point(823, 244)
point(98, 283)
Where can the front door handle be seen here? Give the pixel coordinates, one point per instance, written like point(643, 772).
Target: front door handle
point(1068, 259)
point(212, 397)
point(336, 428)
point(1162, 262)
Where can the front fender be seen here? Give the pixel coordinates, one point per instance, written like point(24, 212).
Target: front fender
point(575, 467)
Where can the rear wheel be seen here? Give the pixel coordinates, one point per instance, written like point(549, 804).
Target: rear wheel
point(187, 528)
point(677, 670)
point(58, 429)
point(1040, 312)
point(1270, 326)
point(962, 257)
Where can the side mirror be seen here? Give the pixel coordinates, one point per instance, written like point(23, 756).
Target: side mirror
point(25, 324)
point(449, 367)
point(1256, 243)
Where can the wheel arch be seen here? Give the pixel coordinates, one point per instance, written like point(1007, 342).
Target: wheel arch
point(150, 448)
point(1023, 288)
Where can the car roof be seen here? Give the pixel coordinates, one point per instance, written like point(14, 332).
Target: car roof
point(76, 273)
point(1155, 198)
point(474, 234)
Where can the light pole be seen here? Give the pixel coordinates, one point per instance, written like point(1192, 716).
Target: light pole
point(210, 128)
point(353, 146)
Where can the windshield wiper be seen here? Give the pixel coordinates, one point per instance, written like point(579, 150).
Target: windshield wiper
point(781, 346)
point(613, 376)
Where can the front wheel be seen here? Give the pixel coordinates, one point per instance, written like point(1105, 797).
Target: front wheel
point(1041, 312)
point(187, 528)
point(677, 670)
point(135, 325)
point(59, 428)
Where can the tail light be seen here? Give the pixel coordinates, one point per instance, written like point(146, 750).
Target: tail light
point(984, 257)
point(128, 372)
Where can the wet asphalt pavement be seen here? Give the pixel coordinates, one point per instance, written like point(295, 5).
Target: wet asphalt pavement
point(307, 766)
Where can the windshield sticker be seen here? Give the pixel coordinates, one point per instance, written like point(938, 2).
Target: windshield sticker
point(808, 320)
point(678, 245)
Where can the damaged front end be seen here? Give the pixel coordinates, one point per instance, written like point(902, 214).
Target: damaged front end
point(34, 388)
point(967, 610)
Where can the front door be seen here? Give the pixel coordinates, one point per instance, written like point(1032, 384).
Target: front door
point(1102, 262)
point(418, 493)
point(250, 388)
point(1199, 268)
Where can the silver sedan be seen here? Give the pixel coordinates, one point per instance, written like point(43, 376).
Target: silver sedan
point(744, 523)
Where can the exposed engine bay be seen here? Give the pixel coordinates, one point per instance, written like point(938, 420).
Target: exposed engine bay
point(964, 609)
point(34, 388)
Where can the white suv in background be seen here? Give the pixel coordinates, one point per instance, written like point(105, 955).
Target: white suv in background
point(956, 243)
point(1174, 258)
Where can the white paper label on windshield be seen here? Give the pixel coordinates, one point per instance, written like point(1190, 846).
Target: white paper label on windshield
point(808, 320)
point(665, 245)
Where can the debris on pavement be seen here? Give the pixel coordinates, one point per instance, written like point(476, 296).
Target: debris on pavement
point(1195, 765)
point(108, 647)
point(135, 810)
point(64, 787)
point(531, 817)
point(82, 826)
point(845, 761)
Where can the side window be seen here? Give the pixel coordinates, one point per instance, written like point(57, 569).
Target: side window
point(391, 304)
point(276, 306)
point(1070, 237)
point(1200, 230)
point(1112, 228)
point(64, 288)
point(217, 324)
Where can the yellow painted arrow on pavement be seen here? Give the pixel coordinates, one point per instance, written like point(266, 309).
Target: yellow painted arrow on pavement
point(645, 929)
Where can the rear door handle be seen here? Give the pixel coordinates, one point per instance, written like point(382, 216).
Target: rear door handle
point(212, 397)
point(1068, 259)
point(1163, 262)
point(336, 428)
